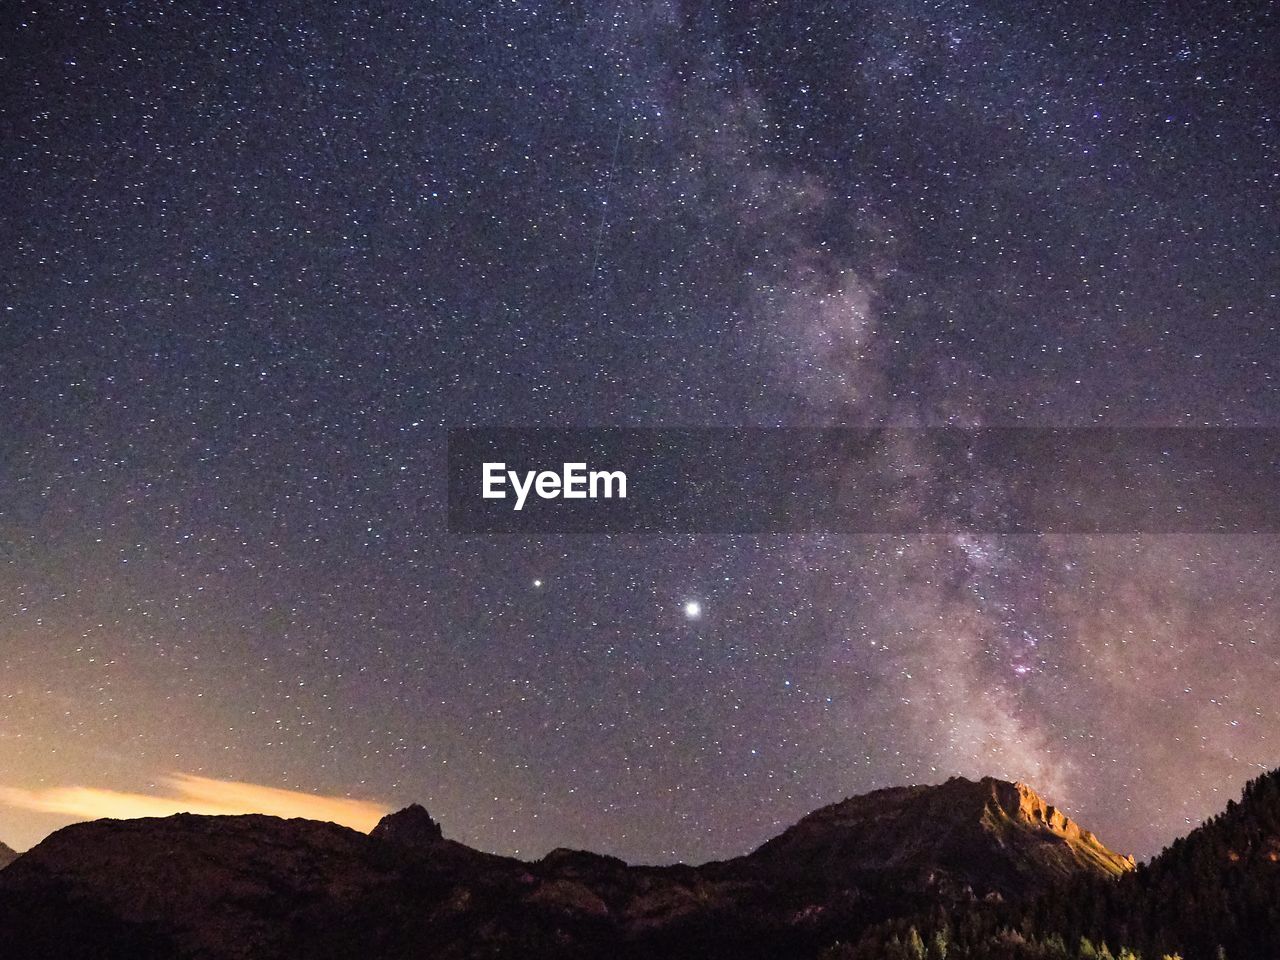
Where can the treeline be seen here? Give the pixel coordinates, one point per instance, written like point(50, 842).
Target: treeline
point(979, 941)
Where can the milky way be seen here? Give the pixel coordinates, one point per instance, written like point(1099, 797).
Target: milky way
point(258, 260)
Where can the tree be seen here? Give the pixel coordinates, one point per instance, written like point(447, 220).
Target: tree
point(938, 948)
point(915, 945)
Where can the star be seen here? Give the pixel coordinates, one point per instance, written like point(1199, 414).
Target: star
point(692, 610)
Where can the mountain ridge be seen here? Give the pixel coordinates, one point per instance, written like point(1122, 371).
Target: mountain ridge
point(252, 887)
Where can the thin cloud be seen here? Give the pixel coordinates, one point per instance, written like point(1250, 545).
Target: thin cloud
point(186, 793)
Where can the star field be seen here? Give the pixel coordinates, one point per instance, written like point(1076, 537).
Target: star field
point(259, 259)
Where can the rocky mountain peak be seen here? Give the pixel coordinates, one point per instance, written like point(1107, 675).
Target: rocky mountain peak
point(7, 855)
point(989, 836)
point(412, 826)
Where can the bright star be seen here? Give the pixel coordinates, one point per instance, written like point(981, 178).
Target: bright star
point(692, 609)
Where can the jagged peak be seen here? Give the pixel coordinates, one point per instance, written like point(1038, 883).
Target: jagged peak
point(412, 826)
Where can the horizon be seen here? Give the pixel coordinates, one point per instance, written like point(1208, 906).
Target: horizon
point(313, 802)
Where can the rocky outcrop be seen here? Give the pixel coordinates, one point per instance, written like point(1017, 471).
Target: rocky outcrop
point(1026, 810)
point(7, 855)
point(410, 827)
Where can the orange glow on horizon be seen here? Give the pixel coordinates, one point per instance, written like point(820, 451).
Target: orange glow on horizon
point(192, 794)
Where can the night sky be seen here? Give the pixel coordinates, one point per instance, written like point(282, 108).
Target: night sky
point(259, 258)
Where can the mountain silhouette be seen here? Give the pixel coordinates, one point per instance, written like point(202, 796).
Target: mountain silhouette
point(988, 853)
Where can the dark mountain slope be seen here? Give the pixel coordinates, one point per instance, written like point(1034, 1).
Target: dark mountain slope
point(225, 886)
point(7, 855)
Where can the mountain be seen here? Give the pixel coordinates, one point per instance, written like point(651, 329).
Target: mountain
point(226, 888)
point(985, 838)
point(7, 855)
